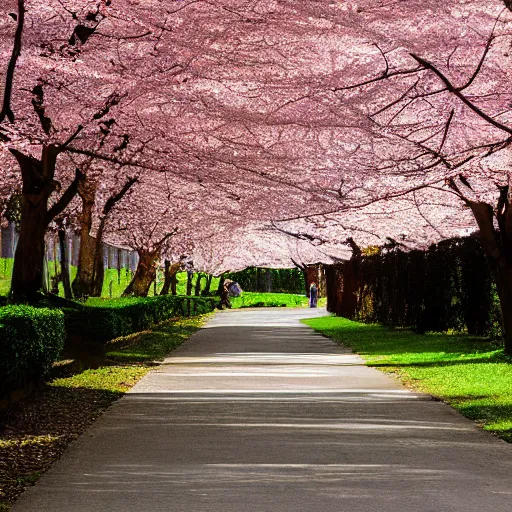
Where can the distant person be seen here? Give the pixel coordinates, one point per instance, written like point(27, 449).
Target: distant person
point(229, 289)
point(313, 295)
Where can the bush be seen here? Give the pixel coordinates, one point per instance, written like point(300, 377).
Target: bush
point(30, 341)
point(447, 288)
point(103, 320)
point(273, 280)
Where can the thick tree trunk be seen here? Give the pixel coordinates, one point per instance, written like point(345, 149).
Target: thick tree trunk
point(498, 248)
point(144, 275)
point(27, 274)
point(38, 186)
point(504, 289)
point(82, 285)
point(91, 267)
point(64, 265)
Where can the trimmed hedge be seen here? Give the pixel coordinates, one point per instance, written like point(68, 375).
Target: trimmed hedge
point(269, 280)
point(31, 339)
point(448, 287)
point(104, 320)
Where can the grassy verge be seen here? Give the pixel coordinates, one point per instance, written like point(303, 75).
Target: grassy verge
point(35, 432)
point(253, 300)
point(114, 284)
point(471, 374)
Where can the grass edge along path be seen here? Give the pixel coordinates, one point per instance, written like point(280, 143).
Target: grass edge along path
point(471, 374)
point(35, 433)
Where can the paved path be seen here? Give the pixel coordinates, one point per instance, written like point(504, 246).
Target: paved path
point(257, 413)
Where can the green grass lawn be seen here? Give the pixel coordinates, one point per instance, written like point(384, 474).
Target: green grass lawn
point(254, 299)
point(471, 374)
point(114, 282)
point(35, 432)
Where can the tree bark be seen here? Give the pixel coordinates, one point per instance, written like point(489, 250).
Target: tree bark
point(82, 284)
point(38, 186)
point(170, 281)
point(98, 274)
point(303, 269)
point(220, 288)
point(498, 249)
point(190, 276)
point(208, 285)
point(144, 275)
point(197, 288)
point(174, 283)
point(64, 264)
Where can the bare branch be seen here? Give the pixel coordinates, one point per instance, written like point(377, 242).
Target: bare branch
point(9, 78)
point(456, 91)
point(66, 198)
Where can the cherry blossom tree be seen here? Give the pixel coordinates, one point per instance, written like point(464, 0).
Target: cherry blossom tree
point(330, 121)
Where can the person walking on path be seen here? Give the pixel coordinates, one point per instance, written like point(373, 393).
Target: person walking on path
point(313, 295)
point(229, 289)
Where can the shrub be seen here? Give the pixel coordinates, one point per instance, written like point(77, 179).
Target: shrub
point(273, 280)
point(30, 341)
point(103, 320)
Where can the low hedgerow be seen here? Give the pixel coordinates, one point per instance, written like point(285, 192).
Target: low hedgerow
point(30, 341)
point(104, 319)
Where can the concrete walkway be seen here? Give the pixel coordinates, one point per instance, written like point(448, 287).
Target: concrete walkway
point(257, 413)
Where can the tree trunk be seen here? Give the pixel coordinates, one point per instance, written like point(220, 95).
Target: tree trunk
point(350, 270)
point(498, 249)
point(220, 288)
point(504, 289)
point(91, 267)
point(174, 282)
point(64, 264)
point(38, 186)
point(170, 281)
point(197, 288)
point(27, 273)
point(99, 267)
point(82, 284)
point(144, 275)
point(190, 276)
point(167, 278)
point(208, 285)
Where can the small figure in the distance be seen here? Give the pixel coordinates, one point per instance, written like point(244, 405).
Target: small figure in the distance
point(229, 289)
point(313, 295)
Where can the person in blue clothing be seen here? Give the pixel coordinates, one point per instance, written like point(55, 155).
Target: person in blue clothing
point(313, 295)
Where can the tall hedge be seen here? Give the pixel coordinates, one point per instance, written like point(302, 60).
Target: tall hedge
point(447, 287)
point(30, 341)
